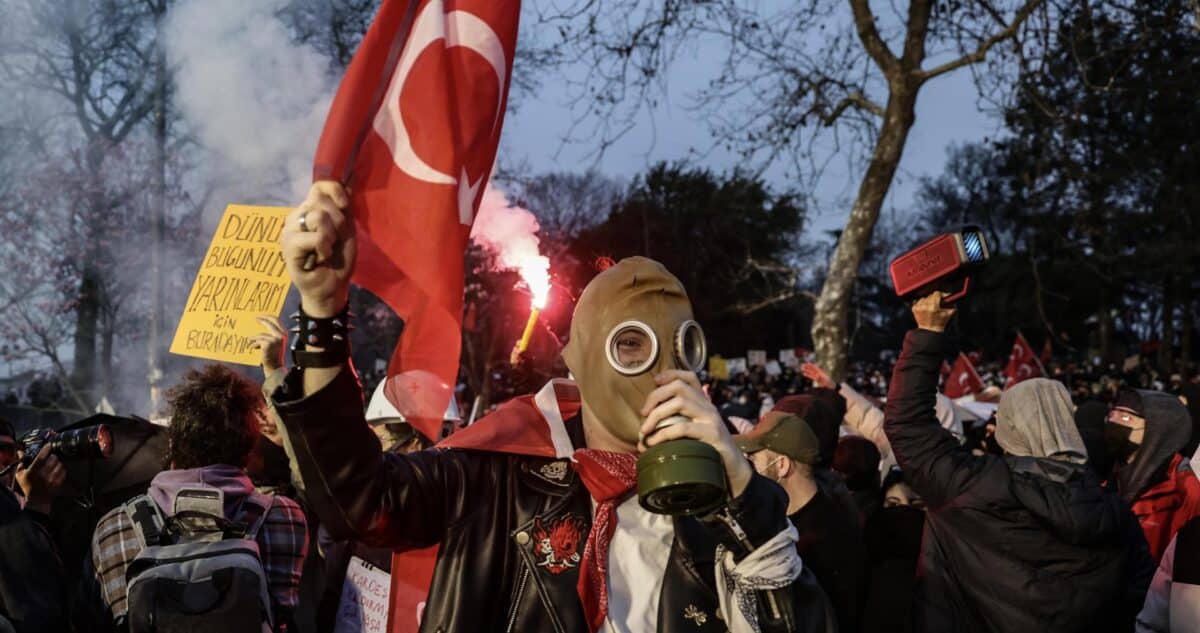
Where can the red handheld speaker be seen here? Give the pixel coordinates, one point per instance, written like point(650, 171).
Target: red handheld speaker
point(943, 263)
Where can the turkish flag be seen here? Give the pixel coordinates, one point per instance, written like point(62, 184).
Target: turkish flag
point(413, 132)
point(1022, 362)
point(963, 378)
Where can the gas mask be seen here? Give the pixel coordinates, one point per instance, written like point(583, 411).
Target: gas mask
point(633, 322)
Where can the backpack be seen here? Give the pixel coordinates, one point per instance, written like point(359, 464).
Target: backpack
point(197, 570)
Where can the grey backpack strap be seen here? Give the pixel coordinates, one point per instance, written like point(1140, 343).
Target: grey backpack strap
point(148, 522)
point(254, 513)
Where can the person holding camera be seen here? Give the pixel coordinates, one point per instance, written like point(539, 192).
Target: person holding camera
point(1027, 541)
point(33, 584)
point(535, 507)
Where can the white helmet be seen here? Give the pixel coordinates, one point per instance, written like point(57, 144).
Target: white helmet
point(380, 408)
point(452, 413)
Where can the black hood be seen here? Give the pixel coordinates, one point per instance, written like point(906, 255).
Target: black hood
point(1068, 500)
point(1191, 391)
point(1089, 419)
point(1168, 430)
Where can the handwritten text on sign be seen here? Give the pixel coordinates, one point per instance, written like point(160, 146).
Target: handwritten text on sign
point(364, 605)
point(242, 276)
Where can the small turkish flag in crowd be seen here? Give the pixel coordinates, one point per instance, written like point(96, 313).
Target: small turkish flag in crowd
point(963, 379)
point(1022, 362)
point(413, 132)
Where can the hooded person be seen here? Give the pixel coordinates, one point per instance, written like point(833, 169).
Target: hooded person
point(893, 538)
point(1026, 541)
point(1145, 432)
point(1089, 420)
point(533, 508)
point(857, 461)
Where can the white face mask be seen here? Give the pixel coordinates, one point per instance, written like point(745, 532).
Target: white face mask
point(767, 468)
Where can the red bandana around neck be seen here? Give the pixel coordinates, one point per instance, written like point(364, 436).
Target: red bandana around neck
point(609, 477)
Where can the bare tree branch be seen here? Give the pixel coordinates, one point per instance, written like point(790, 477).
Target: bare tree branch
point(868, 33)
point(980, 53)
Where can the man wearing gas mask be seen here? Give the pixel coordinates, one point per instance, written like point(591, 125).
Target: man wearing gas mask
point(536, 508)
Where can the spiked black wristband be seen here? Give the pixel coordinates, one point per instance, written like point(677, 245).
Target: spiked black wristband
point(331, 334)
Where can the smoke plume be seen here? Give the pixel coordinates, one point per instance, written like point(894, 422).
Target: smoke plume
point(252, 95)
point(511, 232)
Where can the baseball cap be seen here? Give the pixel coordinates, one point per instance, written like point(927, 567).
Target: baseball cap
point(783, 433)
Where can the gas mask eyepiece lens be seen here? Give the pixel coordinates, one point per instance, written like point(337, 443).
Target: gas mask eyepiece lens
point(691, 349)
point(632, 348)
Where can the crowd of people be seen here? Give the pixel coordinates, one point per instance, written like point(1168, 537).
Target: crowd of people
point(868, 505)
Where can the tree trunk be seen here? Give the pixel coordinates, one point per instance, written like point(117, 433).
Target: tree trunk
point(108, 327)
point(87, 314)
point(158, 212)
point(829, 331)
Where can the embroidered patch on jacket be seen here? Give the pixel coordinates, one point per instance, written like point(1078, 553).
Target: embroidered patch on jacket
point(554, 472)
point(695, 615)
point(558, 544)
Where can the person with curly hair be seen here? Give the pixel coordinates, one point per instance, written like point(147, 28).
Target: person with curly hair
point(215, 415)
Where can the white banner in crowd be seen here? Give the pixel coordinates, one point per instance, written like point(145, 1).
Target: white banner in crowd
point(736, 366)
point(756, 357)
point(364, 606)
point(788, 357)
point(773, 368)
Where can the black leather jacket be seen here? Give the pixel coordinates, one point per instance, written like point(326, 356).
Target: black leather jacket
point(484, 509)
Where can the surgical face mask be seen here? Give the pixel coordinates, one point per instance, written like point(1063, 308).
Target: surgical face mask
point(1117, 443)
point(632, 322)
point(770, 470)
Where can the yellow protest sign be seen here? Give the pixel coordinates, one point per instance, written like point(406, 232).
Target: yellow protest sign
point(717, 368)
point(242, 276)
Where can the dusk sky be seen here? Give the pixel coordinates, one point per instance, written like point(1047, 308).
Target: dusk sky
point(948, 112)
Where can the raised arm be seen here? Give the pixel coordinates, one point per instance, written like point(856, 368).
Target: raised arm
point(356, 490)
point(932, 460)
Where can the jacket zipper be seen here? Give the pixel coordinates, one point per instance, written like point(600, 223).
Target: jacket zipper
point(726, 516)
point(512, 617)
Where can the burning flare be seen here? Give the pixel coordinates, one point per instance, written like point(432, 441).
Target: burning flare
point(511, 233)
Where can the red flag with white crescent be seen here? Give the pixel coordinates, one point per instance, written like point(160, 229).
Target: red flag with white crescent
point(1022, 363)
point(963, 379)
point(413, 132)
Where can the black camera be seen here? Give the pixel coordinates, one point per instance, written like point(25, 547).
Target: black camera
point(87, 442)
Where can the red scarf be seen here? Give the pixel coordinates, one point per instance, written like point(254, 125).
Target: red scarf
point(609, 477)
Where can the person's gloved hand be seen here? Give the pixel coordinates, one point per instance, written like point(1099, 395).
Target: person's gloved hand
point(931, 314)
point(41, 480)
